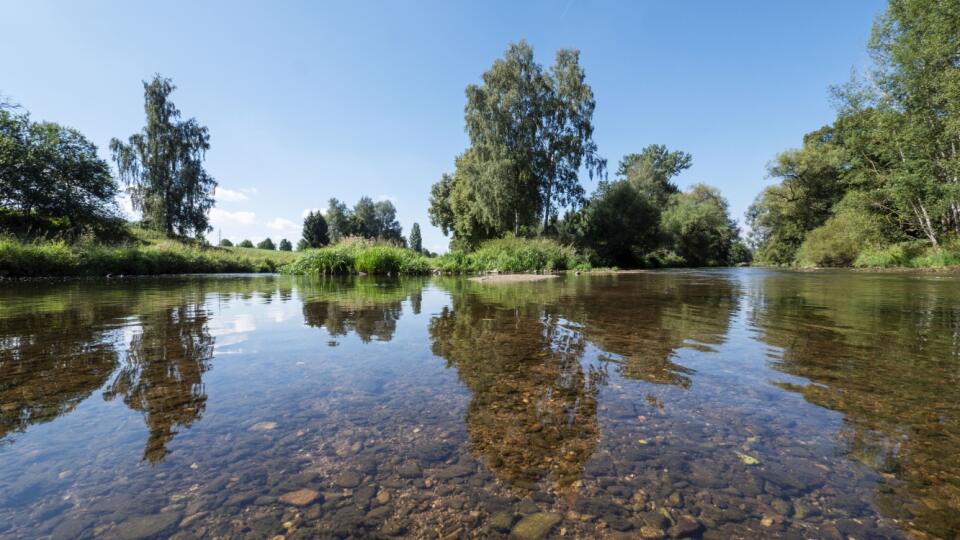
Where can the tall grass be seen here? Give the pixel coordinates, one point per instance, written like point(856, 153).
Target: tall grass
point(144, 257)
point(364, 257)
point(915, 254)
point(512, 254)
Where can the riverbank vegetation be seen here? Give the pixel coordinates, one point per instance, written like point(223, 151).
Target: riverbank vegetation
point(879, 186)
point(143, 253)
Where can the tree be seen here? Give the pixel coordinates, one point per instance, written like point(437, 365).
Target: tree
point(416, 243)
point(266, 244)
point(364, 218)
point(245, 244)
point(652, 170)
point(386, 224)
point(315, 231)
point(163, 166)
point(339, 221)
point(530, 134)
point(302, 245)
point(812, 182)
point(699, 227)
point(52, 171)
point(285, 245)
point(226, 243)
point(621, 224)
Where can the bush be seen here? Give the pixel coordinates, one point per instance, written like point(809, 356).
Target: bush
point(840, 240)
point(512, 254)
point(226, 243)
point(912, 254)
point(267, 244)
point(245, 244)
point(360, 256)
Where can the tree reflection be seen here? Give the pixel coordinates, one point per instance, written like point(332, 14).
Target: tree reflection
point(888, 362)
point(533, 410)
point(162, 375)
point(369, 322)
point(50, 362)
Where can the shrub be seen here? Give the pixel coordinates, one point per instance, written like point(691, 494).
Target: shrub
point(226, 243)
point(245, 244)
point(360, 255)
point(266, 244)
point(840, 240)
point(512, 254)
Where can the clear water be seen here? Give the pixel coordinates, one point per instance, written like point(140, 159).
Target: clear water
point(729, 403)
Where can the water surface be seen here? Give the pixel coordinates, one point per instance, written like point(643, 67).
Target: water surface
point(728, 403)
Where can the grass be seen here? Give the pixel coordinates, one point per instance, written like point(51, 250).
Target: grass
point(146, 253)
point(916, 254)
point(513, 255)
point(510, 255)
point(361, 257)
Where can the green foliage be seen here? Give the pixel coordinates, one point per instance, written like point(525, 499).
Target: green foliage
point(530, 134)
point(245, 244)
point(652, 170)
point(812, 183)
point(146, 255)
point(698, 226)
point(621, 224)
point(416, 242)
point(361, 257)
point(48, 171)
point(513, 255)
point(163, 166)
point(226, 243)
point(367, 219)
point(315, 230)
point(840, 240)
point(266, 244)
point(893, 145)
point(285, 245)
point(302, 245)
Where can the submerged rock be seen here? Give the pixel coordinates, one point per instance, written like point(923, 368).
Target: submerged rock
point(535, 526)
point(146, 526)
point(300, 497)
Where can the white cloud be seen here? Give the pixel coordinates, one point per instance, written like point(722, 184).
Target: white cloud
point(228, 195)
point(280, 224)
point(218, 215)
point(307, 211)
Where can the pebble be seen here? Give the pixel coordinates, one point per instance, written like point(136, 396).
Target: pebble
point(535, 526)
point(300, 497)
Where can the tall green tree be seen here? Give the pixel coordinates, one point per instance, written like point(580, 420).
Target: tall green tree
point(266, 243)
point(621, 224)
point(416, 242)
point(315, 230)
point(339, 220)
point(812, 180)
point(52, 171)
point(531, 133)
point(385, 222)
point(285, 245)
point(699, 228)
point(163, 166)
point(653, 169)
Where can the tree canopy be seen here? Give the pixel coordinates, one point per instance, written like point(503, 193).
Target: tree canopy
point(367, 219)
point(315, 230)
point(52, 171)
point(531, 134)
point(163, 166)
point(285, 245)
point(266, 244)
point(416, 242)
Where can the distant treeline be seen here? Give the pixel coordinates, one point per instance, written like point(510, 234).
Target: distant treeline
point(880, 186)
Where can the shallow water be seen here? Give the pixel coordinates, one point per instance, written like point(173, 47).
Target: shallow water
point(728, 403)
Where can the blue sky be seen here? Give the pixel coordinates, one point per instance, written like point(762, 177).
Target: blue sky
point(311, 100)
